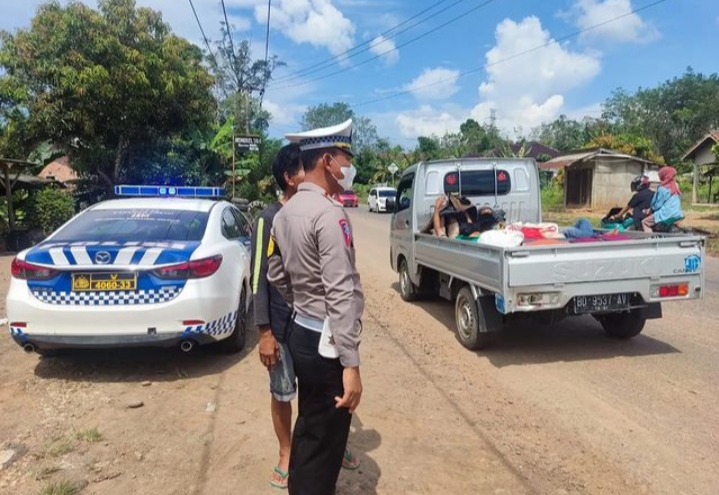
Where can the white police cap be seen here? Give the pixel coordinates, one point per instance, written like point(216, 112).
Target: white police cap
point(336, 136)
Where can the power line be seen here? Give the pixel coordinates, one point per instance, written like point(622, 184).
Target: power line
point(511, 57)
point(229, 33)
point(416, 38)
point(301, 72)
point(207, 43)
point(267, 51)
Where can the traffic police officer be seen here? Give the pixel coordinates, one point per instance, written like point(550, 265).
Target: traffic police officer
point(313, 266)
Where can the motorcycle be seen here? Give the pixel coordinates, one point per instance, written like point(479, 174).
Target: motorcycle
point(668, 226)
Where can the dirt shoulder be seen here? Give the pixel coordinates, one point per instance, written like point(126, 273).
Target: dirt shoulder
point(555, 410)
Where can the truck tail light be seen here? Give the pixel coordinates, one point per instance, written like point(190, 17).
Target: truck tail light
point(190, 269)
point(673, 290)
point(538, 300)
point(27, 271)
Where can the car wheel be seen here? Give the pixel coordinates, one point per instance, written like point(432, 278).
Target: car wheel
point(469, 323)
point(236, 341)
point(407, 289)
point(623, 325)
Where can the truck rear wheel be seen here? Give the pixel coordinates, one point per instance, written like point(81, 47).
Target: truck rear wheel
point(407, 289)
point(469, 327)
point(623, 325)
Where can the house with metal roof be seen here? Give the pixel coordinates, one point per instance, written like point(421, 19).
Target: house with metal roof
point(705, 162)
point(599, 178)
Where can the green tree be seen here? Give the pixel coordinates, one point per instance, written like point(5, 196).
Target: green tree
point(429, 148)
point(672, 115)
point(364, 132)
point(50, 209)
point(479, 138)
point(629, 144)
point(104, 84)
point(240, 81)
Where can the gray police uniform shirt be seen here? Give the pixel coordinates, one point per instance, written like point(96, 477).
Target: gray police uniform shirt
point(313, 266)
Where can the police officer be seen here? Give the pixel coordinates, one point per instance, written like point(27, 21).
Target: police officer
point(313, 266)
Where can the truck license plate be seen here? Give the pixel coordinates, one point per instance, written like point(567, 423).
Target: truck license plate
point(601, 303)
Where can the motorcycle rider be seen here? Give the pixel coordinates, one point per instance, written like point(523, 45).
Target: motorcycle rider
point(666, 206)
point(640, 202)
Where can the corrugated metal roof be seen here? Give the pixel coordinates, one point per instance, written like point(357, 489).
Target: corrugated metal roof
point(711, 135)
point(583, 155)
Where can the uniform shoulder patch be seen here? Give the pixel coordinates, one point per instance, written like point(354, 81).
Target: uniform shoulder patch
point(346, 232)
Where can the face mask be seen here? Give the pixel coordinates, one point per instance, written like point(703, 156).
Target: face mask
point(349, 173)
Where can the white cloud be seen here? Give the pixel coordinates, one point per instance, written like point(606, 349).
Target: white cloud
point(630, 28)
point(386, 48)
point(180, 18)
point(434, 84)
point(529, 90)
point(428, 121)
point(520, 93)
point(317, 22)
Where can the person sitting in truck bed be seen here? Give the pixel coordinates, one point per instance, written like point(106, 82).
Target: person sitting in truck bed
point(459, 218)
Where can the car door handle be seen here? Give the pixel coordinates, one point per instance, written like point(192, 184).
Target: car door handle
point(406, 223)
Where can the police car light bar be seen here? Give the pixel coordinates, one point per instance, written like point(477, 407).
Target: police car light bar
point(170, 191)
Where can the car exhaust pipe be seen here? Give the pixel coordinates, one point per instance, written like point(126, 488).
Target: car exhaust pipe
point(29, 348)
point(187, 345)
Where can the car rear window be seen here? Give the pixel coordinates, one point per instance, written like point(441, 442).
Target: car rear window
point(135, 225)
point(478, 182)
point(387, 193)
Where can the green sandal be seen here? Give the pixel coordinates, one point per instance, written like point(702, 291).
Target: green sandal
point(284, 476)
point(349, 461)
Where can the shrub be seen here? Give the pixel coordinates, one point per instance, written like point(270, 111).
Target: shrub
point(50, 209)
point(553, 196)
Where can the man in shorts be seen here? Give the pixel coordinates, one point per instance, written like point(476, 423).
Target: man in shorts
point(272, 316)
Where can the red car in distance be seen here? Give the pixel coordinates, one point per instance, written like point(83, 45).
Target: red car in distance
point(348, 199)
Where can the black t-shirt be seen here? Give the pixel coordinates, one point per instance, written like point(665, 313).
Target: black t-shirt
point(642, 200)
point(269, 305)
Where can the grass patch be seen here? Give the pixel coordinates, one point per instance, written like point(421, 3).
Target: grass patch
point(60, 488)
point(45, 472)
point(60, 446)
point(552, 197)
point(90, 435)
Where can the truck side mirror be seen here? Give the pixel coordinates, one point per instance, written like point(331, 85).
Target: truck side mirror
point(403, 204)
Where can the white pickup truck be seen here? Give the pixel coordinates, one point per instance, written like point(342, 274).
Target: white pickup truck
point(621, 283)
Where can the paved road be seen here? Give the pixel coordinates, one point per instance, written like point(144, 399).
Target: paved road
point(566, 406)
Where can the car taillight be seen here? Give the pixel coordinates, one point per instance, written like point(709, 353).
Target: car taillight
point(190, 269)
point(674, 290)
point(27, 271)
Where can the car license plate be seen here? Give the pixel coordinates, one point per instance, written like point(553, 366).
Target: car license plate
point(601, 303)
point(96, 282)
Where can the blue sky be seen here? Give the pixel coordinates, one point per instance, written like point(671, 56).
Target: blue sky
point(572, 76)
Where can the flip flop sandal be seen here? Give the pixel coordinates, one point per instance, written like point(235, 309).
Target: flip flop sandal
point(284, 475)
point(349, 461)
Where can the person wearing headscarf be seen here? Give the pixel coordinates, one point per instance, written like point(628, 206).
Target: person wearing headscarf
point(667, 201)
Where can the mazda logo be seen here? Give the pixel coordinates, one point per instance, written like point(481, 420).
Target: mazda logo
point(102, 258)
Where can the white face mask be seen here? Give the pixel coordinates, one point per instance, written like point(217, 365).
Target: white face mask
point(349, 173)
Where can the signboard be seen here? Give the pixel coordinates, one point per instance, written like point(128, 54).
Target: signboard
point(248, 142)
point(393, 168)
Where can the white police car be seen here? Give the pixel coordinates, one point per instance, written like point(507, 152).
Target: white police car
point(142, 271)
